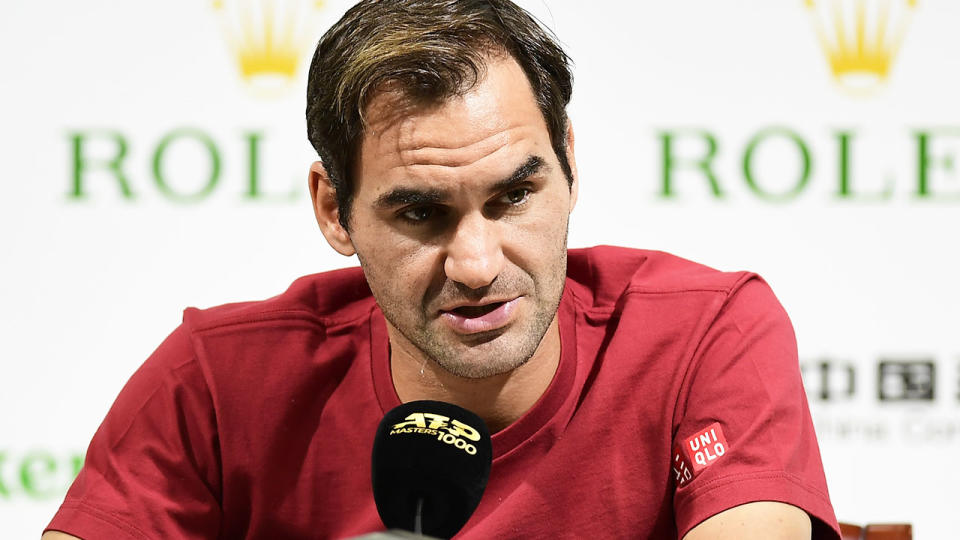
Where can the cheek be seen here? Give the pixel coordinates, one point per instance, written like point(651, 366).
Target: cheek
point(548, 225)
point(398, 268)
point(538, 243)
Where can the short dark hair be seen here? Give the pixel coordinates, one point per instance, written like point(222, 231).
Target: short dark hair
point(428, 50)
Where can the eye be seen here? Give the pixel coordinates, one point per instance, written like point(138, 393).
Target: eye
point(515, 197)
point(419, 214)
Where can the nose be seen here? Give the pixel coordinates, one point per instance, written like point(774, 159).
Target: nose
point(474, 253)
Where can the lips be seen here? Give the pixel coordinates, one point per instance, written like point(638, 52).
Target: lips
point(481, 318)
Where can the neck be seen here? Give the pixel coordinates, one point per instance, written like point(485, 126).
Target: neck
point(499, 400)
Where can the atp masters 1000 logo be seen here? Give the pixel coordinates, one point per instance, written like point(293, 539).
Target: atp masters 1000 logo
point(861, 38)
point(447, 430)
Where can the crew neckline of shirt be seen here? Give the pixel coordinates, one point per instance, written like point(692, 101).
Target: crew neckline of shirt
point(524, 427)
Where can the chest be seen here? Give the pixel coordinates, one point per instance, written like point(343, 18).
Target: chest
point(593, 477)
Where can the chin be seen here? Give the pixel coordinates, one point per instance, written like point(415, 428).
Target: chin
point(488, 359)
point(477, 371)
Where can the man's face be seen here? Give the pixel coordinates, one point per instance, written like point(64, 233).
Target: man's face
point(460, 224)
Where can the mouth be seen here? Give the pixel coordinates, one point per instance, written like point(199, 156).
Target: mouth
point(482, 318)
point(473, 312)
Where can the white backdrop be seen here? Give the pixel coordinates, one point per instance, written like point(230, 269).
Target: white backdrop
point(129, 192)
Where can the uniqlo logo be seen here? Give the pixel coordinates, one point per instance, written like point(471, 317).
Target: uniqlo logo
point(698, 452)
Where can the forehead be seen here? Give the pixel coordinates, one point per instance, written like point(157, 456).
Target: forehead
point(491, 129)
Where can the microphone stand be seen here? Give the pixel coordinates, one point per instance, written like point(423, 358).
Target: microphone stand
point(418, 518)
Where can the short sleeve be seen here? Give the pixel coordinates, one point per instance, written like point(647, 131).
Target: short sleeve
point(151, 470)
point(742, 430)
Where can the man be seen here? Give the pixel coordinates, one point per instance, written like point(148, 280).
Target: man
point(631, 393)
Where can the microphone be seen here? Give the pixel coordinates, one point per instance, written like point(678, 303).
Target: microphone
point(431, 463)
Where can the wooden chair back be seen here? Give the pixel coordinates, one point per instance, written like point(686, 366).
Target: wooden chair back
point(877, 531)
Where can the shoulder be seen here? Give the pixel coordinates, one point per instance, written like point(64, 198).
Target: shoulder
point(655, 298)
point(602, 276)
point(327, 299)
point(246, 339)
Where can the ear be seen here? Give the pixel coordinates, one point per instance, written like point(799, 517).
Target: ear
point(572, 160)
point(327, 211)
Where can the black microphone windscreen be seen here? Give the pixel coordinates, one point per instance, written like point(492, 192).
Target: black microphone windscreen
point(430, 453)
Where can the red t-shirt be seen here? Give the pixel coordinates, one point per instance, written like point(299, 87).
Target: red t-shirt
point(256, 420)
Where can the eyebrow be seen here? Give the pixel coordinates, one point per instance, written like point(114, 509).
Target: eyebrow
point(404, 196)
point(532, 166)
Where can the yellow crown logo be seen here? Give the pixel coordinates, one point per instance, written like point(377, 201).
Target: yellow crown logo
point(861, 38)
point(268, 38)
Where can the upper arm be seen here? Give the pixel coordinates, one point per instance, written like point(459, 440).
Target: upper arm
point(757, 520)
point(152, 469)
point(57, 535)
point(743, 386)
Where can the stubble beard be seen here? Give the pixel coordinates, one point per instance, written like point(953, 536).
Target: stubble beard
point(492, 353)
point(499, 356)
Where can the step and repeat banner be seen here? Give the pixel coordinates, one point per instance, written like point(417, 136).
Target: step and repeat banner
point(154, 157)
